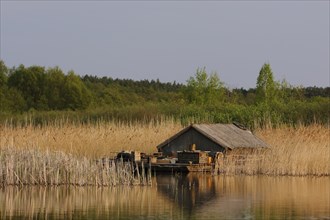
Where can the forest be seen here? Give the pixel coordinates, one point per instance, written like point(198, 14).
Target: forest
point(40, 95)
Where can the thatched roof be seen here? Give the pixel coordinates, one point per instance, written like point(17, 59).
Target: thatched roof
point(226, 135)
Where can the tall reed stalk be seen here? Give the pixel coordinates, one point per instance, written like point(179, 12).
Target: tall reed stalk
point(50, 168)
point(89, 140)
point(296, 151)
point(69, 151)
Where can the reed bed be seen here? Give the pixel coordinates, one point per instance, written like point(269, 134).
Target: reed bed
point(89, 140)
point(296, 151)
point(64, 153)
point(35, 167)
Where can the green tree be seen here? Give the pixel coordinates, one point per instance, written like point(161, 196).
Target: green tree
point(3, 74)
point(55, 81)
point(3, 85)
point(204, 89)
point(285, 92)
point(76, 95)
point(30, 82)
point(265, 90)
point(14, 101)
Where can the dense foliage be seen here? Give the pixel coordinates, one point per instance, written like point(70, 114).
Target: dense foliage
point(41, 94)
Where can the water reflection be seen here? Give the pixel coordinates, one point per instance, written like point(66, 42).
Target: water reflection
point(188, 191)
point(176, 197)
point(247, 197)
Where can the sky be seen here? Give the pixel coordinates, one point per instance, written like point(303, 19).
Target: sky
point(169, 40)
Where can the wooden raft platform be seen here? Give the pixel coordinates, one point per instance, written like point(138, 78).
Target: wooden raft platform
point(177, 167)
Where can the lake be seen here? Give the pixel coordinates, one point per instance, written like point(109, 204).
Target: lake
point(192, 196)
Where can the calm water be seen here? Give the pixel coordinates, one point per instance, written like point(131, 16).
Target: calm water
point(176, 197)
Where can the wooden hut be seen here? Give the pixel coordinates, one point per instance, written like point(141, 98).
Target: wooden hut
point(211, 137)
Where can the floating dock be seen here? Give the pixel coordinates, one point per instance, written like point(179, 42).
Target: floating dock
point(184, 162)
point(177, 167)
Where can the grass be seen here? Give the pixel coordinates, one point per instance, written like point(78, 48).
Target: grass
point(65, 153)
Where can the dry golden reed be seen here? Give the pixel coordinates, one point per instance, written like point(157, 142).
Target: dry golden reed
point(296, 151)
point(304, 150)
point(35, 167)
point(91, 140)
point(300, 151)
point(66, 154)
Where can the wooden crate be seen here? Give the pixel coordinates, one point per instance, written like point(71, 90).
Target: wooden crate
point(194, 157)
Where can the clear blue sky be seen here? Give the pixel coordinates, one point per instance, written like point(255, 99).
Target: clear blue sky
point(169, 40)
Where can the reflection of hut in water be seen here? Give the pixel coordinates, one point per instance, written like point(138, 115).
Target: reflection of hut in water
point(188, 191)
point(212, 137)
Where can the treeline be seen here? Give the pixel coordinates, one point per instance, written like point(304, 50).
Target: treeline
point(45, 94)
